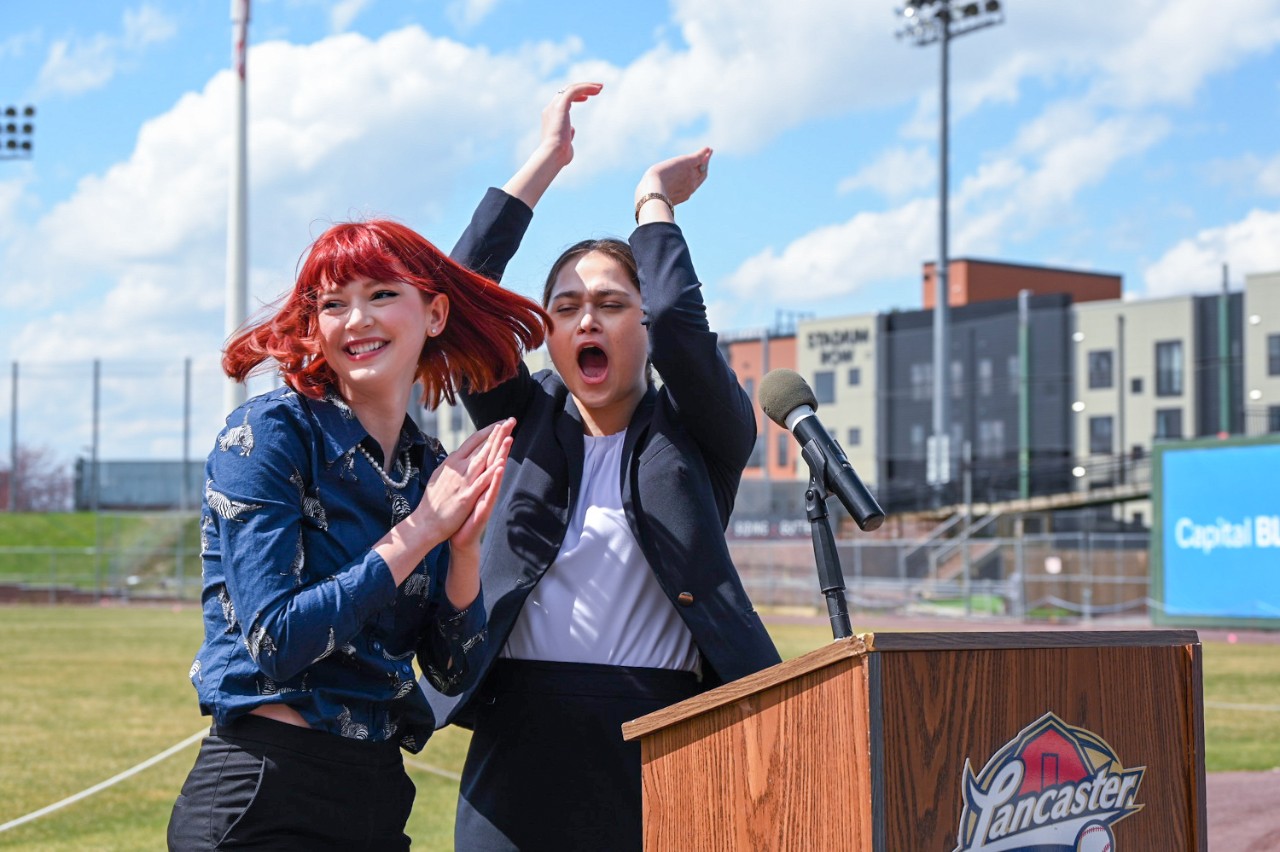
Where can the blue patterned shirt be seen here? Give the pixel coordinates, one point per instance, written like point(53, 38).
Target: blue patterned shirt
point(297, 608)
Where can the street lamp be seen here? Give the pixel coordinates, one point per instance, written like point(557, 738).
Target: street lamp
point(17, 127)
point(926, 22)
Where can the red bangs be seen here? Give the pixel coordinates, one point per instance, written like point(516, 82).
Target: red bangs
point(488, 331)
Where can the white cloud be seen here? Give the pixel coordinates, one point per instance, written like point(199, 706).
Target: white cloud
point(465, 14)
point(839, 260)
point(147, 25)
point(739, 76)
point(344, 12)
point(898, 172)
point(142, 244)
point(1178, 44)
point(73, 68)
point(18, 44)
point(78, 65)
point(1195, 264)
point(1249, 173)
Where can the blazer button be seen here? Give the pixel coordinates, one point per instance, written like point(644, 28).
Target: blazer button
point(685, 599)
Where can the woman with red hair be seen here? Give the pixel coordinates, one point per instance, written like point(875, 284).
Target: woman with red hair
point(339, 542)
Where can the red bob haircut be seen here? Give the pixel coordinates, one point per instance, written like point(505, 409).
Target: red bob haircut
point(487, 333)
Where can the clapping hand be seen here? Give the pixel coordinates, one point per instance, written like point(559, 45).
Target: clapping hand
point(467, 477)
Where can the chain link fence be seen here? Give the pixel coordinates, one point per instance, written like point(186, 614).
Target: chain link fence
point(156, 557)
point(1046, 576)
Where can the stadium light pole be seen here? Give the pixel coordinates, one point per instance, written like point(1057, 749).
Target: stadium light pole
point(17, 132)
point(237, 207)
point(17, 142)
point(926, 22)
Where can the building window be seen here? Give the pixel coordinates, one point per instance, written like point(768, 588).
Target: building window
point(1168, 423)
point(1273, 354)
point(824, 386)
point(1135, 385)
point(1169, 368)
point(757, 453)
point(749, 385)
point(990, 439)
point(1015, 376)
point(957, 379)
point(1100, 369)
point(921, 381)
point(784, 447)
point(917, 439)
point(986, 376)
point(855, 376)
point(1101, 430)
point(455, 418)
point(1273, 418)
point(855, 436)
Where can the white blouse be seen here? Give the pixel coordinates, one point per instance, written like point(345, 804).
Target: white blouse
point(599, 601)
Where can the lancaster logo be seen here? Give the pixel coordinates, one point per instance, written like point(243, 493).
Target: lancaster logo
point(1052, 788)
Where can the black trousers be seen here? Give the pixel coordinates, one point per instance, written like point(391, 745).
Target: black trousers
point(547, 768)
point(261, 784)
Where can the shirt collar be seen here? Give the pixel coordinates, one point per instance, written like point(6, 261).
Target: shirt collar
point(342, 430)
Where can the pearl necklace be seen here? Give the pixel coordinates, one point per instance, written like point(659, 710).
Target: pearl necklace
point(404, 465)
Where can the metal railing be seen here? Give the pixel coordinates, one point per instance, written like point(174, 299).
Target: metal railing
point(1049, 576)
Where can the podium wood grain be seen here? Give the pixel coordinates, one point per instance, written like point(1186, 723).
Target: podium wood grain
point(755, 784)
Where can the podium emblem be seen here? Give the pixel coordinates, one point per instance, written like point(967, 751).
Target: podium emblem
point(1052, 788)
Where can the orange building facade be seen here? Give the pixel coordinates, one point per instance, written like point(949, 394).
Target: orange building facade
point(971, 281)
point(750, 360)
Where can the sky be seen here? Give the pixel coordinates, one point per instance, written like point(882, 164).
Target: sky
point(1134, 138)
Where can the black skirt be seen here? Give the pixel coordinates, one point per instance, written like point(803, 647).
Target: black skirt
point(548, 768)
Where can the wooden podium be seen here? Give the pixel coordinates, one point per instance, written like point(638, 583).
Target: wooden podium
point(940, 741)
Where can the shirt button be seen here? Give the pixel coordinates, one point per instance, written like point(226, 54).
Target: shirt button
point(377, 646)
point(685, 599)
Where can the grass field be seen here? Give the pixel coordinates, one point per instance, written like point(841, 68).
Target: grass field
point(87, 552)
point(87, 692)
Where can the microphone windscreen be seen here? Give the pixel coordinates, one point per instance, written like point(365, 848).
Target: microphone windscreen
point(782, 392)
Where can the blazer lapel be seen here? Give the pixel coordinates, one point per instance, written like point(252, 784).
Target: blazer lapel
point(636, 429)
point(569, 436)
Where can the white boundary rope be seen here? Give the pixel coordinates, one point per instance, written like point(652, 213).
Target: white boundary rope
point(152, 761)
point(434, 770)
point(1263, 708)
point(83, 794)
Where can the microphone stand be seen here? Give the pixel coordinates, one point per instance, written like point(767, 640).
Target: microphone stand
point(824, 542)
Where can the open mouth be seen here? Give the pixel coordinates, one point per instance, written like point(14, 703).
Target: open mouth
point(593, 363)
point(364, 347)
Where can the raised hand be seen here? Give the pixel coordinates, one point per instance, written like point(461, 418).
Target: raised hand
point(677, 178)
point(555, 145)
point(557, 129)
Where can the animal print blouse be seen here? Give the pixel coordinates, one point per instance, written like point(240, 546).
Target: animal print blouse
point(297, 608)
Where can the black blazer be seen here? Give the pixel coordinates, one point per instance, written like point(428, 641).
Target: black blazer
point(683, 455)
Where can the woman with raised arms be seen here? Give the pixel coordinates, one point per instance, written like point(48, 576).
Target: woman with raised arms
point(607, 577)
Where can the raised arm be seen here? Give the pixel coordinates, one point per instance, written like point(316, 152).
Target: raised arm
point(499, 222)
point(684, 350)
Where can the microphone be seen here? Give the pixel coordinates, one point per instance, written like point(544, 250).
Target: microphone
point(789, 401)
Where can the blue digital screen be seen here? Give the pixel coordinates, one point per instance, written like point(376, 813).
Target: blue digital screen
point(1220, 531)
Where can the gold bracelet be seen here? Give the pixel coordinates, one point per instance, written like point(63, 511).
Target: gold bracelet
point(645, 199)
